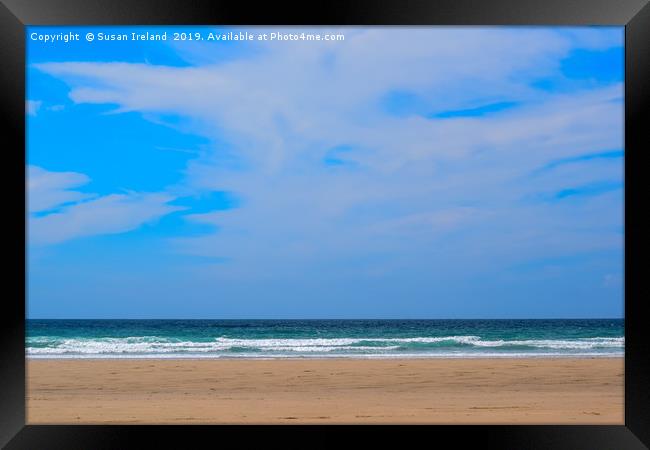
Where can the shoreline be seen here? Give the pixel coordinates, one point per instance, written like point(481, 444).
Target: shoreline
point(311, 358)
point(341, 390)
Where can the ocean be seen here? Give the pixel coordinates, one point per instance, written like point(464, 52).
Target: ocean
point(324, 338)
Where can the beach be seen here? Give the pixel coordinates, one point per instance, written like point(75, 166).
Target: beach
point(326, 391)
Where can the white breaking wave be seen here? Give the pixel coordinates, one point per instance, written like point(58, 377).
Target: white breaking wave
point(221, 346)
point(441, 355)
point(577, 344)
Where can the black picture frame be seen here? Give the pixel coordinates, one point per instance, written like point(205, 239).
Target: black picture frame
point(16, 14)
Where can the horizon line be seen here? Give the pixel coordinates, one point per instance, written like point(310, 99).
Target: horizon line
point(331, 318)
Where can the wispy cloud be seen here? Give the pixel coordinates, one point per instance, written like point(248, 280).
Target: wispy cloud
point(589, 190)
point(110, 214)
point(47, 190)
point(32, 106)
point(65, 214)
point(477, 111)
point(480, 128)
point(607, 155)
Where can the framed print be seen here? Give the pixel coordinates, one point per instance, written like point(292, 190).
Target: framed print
point(407, 213)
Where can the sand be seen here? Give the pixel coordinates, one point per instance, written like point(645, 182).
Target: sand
point(432, 391)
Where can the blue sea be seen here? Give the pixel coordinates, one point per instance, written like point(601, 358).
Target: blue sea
point(324, 338)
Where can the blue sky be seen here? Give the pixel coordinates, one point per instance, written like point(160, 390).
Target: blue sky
point(449, 172)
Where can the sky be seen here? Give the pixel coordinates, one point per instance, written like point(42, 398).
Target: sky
point(424, 172)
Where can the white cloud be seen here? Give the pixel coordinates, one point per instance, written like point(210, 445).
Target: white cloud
point(110, 214)
point(428, 222)
point(282, 108)
point(76, 214)
point(47, 190)
point(32, 106)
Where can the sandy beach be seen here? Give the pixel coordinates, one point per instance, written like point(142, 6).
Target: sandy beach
point(435, 391)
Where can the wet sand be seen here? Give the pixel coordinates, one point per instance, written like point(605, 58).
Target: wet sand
point(433, 391)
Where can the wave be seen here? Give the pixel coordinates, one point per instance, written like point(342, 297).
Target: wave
point(280, 347)
point(441, 355)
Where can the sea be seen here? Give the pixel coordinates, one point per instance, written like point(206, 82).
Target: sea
point(270, 339)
